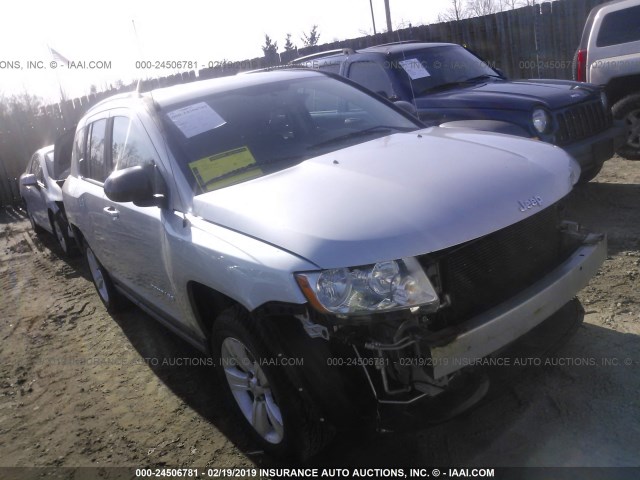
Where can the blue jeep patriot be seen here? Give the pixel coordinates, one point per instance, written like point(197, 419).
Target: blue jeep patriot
point(445, 84)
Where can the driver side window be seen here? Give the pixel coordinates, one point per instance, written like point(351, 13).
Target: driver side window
point(130, 144)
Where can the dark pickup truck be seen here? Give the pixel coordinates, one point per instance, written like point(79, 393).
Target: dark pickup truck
point(445, 84)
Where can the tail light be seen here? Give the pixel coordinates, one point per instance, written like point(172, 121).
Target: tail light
point(581, 65)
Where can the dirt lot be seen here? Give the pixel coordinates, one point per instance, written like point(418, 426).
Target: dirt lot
point(79, 387)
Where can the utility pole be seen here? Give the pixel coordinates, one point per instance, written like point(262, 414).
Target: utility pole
point(388, 13)
point(373, 19)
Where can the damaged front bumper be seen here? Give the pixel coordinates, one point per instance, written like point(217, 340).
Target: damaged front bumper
point(421, 363)
point(455, 348)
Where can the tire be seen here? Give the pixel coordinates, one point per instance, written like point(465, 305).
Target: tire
point(263, 397)
point(37, 229)
point(589, 174)
point(628, 109)
point(110, 297)
point(61, 232)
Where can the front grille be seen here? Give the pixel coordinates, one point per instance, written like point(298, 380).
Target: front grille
point(483, 273)
point(581, 121)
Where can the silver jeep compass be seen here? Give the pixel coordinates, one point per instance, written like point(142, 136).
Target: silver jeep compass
point(326, 249)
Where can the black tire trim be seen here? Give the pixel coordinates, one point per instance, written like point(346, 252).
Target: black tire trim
point(620, 110)
point(117, 302)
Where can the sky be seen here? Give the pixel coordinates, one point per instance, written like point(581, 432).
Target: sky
point(187, 30)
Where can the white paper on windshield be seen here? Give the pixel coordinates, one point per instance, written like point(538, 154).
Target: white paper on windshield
point(414, 68)
point(196, 119)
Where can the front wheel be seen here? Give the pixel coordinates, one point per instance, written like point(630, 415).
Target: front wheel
point(628, 109)
point(111, 298)
point(262, 394)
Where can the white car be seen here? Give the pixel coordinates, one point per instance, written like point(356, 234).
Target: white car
point(327, 250)
point(40, 190)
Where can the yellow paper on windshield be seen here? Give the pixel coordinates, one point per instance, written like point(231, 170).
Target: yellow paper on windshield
point(225, 169)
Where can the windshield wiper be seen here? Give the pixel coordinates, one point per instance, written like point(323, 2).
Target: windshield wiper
point(457, 84)
point(442, 86)
point(480, 77)
point(362, 133)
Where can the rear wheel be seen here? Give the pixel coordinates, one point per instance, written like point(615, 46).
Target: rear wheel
point(263, 395)
point(34, 226)
point(61, 229)
point(628, 109)
point(111, 298)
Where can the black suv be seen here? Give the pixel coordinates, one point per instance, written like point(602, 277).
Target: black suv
point(444, 83)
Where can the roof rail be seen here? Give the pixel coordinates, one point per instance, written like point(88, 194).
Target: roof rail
point(345, 51)
point(397, 43)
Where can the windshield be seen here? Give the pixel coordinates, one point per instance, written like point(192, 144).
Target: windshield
point(241, 134)
point(434, 68)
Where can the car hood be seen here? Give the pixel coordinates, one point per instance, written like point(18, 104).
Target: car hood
point(397, 196)
point(508, 95)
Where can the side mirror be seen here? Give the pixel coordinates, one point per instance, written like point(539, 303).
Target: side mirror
point(29, 180)
point(133, 184)
point(407, 107)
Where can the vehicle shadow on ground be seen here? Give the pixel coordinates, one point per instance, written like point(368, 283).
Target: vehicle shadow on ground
point(592, 205)
point(472, 438)
point(10, 214)
point(181, 367)
point(47, 244)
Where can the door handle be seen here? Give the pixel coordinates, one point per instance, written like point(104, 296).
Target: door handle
point(112, 212)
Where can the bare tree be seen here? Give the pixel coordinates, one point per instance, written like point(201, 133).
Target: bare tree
point(288, 44)
point(456, 12)
point(270, 50)
point(269, 46)
point(513, 4)
point(311, 39)
point(461, 9)
point(480, 8)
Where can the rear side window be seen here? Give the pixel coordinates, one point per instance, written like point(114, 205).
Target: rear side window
point(324, 64)
point(131, 145)
point(331, 66)
point(619, 27)
point(96, 167)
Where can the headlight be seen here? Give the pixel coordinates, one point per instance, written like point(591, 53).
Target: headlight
point(604, 100)
point(382, 287)
point(540, 120)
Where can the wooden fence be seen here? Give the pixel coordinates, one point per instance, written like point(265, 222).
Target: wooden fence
point(529, 42)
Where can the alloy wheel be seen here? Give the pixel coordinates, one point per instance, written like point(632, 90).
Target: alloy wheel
point(251, 390)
